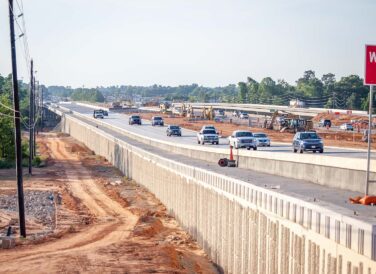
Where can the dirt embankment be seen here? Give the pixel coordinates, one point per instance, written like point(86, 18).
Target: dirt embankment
point(331, 138)
point(101, 222)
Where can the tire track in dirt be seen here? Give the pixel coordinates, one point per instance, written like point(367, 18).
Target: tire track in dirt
point(112, 225)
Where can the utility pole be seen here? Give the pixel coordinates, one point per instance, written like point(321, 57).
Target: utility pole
point(31, 118)
point(369, 136)
point(17, 124)
point(41, 109)
point(34, 139)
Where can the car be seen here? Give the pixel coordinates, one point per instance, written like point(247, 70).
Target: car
point(157, 121)
point(221, 112)
point(105, 112)
point(219, 119)
point(209, 127)
point(307, 141)
point(134, 120)
point(173, 130)
point(207, 136)
point(262, 139)
point(325, 123)
point(98, 113)
point(242, 138)
point(244, 115)
point(346, 126)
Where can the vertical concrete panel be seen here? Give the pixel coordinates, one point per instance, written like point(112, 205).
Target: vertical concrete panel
point(240, 239)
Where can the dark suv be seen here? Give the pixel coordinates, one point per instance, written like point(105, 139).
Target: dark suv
point(173, 130)
point(307, 141)
point(325, 123)
point(134, 120)
point(157, 121)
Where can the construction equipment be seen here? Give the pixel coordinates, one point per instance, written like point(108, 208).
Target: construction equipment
point(287, 122)
point(190, 111)
point(163, 107)
point(179, 110)
point(294, 125)
point(208, 113)
point(274, 117)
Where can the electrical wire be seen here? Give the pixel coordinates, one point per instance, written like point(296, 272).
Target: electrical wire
point(5, 106)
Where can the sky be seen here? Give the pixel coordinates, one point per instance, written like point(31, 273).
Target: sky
point(174, 42)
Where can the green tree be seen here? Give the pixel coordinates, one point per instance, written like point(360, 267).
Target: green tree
point(253, 87)
point(329, 81)
point(310, 86)
point(350, 93)
point(242, 92)
point(267, 90)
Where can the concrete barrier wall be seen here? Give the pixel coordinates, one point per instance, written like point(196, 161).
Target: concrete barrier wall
point(337, 172)
point(242, 227)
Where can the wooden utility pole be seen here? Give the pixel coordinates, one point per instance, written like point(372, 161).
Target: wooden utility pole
point(17, 124)
point(34, 123)
point(31, 118)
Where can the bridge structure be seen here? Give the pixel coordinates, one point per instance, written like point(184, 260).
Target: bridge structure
point(269, 109)
point(273, 214)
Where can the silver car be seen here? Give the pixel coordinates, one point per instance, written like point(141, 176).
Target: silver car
point(262, 139)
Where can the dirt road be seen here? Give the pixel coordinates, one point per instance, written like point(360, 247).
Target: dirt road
point(107, 244)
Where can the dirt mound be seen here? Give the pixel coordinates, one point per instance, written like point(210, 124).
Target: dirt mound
point(148, 226)
point(338, 119)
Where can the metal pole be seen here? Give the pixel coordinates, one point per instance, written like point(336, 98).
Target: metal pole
point(41, 109)
point(34, 139)
point(369, 137)
point(31, 119)
point(17, 125)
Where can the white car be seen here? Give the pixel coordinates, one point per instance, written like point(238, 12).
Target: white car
point(244, 115)
point(242, 138)
point(207, 136)
point(262, 139)
point(211, 127)
point(346, 126)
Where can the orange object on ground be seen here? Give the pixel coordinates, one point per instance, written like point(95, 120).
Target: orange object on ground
point(366, 200)
point(231, 155)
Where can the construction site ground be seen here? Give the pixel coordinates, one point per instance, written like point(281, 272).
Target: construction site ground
point(351, 139)
point(83, 216)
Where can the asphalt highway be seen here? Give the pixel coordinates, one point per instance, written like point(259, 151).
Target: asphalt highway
point(189, 136)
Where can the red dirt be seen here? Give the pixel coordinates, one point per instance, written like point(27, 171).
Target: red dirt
point(106, 223)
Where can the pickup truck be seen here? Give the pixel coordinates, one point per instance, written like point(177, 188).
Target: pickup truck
point(98, 113)
point(207, 136)
point(242, 138)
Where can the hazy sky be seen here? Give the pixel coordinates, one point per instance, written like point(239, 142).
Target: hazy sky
point(173, 42)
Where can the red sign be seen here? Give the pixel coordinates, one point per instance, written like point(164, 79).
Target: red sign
point(370, 73)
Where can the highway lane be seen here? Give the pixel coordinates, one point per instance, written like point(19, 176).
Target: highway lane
point(189, 136)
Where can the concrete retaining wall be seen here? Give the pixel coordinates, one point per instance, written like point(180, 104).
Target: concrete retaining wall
point(243, 228)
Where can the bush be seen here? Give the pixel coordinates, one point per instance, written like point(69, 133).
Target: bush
point(37, 161)
point(6, 163)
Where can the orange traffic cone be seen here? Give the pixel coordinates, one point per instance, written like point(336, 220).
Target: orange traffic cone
point(231, 155)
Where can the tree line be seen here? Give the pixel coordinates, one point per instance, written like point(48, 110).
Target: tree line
point(7, 149)
point(325, 92)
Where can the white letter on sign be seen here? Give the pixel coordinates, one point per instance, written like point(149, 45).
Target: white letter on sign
point(372, 57)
